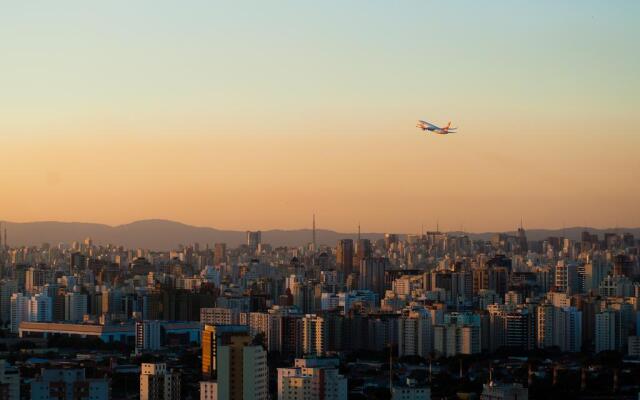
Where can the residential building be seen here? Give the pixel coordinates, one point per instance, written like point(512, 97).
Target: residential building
point(159, 383)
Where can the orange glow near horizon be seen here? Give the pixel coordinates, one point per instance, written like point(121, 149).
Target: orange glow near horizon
point(388, 182)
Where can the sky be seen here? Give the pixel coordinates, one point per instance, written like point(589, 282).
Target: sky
point(255, 114)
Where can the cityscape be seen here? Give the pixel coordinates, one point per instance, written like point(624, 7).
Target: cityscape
point(405, 316)
point(320, 200)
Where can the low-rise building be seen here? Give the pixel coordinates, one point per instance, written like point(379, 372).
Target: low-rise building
point(9, 381)
point(410, 390)
point(496, 391)
point(68, 384)
point(159, 383)
point(312, 378)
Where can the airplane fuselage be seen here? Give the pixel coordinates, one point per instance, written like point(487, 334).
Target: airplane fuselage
point(425, 126)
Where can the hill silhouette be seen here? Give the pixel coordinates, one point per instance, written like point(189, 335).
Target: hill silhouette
point(160, 234)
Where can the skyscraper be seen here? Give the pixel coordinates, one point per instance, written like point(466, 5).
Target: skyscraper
point(219, 253)
point(363, 251)
point(372, 274)
point(253, 240)
point(344, 256)
point(522, 240)
point(390, 239)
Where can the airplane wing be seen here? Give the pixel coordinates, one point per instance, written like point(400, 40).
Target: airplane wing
point(430, 124)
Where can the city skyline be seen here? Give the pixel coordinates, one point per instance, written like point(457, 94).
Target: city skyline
point(498, 317)
point(437, 226)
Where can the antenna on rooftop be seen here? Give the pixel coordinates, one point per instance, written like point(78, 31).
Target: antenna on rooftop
point(390, 369)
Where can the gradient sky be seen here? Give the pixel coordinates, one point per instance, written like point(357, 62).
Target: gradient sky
point(255, 114)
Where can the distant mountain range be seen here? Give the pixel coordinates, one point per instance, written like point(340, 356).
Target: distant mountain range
point(165, 235)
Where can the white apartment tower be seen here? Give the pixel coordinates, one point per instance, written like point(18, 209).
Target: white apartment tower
point(415, 334)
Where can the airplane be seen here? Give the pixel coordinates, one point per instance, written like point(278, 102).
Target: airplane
point(426, 126)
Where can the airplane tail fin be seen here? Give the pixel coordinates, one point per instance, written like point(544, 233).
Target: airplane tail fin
point(446, 128)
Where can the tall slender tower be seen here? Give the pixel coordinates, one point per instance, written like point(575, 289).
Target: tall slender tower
point(314, 233)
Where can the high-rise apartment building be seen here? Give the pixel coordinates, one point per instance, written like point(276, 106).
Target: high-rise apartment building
point(567, 278)
point(19, 310)
point(594, 272)
point(415, 334)
point(75, 306)
point(242, 370)
point(212, 337)
point(545, 314)
point(314, 336)
point(219, 316)
point(312, 378)
point(608, 331)
point(38, 308)
point(158, 383)
point(148, 335)
point(7, 289)
point(35, 278)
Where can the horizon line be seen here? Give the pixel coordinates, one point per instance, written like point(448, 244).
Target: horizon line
point(617, 228)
